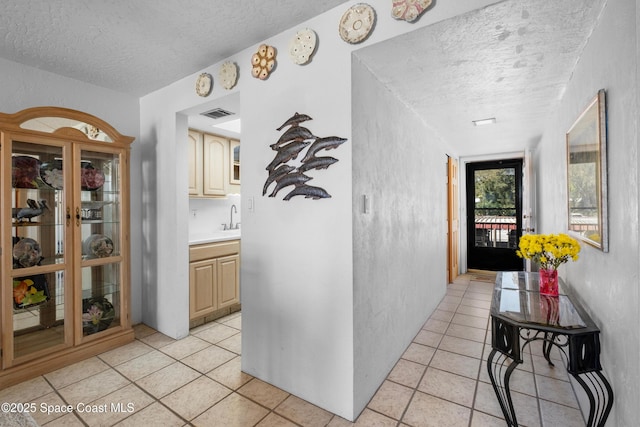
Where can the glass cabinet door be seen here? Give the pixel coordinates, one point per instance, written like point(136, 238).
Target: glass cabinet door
point(100, 238)
point(39, 244)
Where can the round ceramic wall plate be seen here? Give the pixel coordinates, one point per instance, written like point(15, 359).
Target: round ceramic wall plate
point(356, 23)
point(302, 46)
point(409, 10)
point(204, 84)
point(228, 75)
point(263, 62)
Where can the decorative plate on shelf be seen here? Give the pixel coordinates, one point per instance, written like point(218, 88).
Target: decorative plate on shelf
point(97, 246)
point(26, 253)
point(97, 314)
point(356, 23)
point(51, 174)
point(228, 75)
point(30, 291)
point(25, 172)
point(302, 46)
point(91, 178)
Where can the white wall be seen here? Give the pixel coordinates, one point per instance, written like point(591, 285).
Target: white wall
point(297, 278)
point(400, 245)
point(25, 87)
point(606, 283)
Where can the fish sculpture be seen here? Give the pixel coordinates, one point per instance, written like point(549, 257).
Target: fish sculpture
point(295, 120)
point(33, 210)
point(317, 163)
point(328, 143)
point(275, 174)
point(309, 192)
point(286, 153)
point(296, 133)
point(296, 178)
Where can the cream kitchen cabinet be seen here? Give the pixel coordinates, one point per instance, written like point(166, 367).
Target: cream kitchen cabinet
point(214, 278)
point(65, 240)
point(211, 165)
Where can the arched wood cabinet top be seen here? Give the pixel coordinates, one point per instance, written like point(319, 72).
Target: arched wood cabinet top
point(73, 124)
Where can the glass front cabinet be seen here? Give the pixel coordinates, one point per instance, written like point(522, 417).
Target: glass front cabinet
point(65, 240)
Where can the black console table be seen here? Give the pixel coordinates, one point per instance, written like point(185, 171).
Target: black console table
point(519, 316)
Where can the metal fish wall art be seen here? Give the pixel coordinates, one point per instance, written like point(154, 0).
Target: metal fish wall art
point(293, 178)
point(294, 121)
point(288, 147)
point(295, 133)
point(317, 163)
point(328, 143)
point(309, 192)
point(288, 152)
point(275, 174)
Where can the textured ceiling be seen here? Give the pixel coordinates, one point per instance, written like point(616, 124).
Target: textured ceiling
point(511, 61)
point(138, 46)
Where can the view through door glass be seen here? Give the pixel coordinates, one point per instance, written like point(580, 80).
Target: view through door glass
point(494, 215)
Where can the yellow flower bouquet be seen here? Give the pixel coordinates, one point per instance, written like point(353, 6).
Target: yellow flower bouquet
point(548, 250)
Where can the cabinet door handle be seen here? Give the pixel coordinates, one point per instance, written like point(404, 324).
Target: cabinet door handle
point(68, 216)
point(78, 217)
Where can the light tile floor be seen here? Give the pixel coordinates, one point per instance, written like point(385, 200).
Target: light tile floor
point(441, 380)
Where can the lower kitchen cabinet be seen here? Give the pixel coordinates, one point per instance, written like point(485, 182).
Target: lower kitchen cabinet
point(214, 278)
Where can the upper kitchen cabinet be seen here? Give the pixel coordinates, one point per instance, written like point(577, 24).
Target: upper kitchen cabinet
point(65, 240)
point(213, 170)
point(234, 161)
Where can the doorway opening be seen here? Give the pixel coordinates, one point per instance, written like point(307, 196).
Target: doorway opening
point(494, 214)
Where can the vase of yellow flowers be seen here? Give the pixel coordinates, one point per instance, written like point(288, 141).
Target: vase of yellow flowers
point(549, 251)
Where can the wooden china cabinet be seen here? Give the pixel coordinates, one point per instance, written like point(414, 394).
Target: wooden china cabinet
point(64, 244)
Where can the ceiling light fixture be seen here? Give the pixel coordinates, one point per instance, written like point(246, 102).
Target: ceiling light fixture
point(483, 122)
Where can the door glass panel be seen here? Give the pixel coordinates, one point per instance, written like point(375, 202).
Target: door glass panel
point(38, 312)
point(101, 287)
point(38, 221)
point(37, 205)
point(495, 208)
point(100, 204)
point(101, 241)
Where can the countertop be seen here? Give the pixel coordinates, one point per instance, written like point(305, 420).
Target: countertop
point(214, 236)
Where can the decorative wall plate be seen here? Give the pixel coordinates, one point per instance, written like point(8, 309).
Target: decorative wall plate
point(263, 62)
point(356, 23)
point(204, 84)
point(228, 75)
point(302, 46)
point(409, 10)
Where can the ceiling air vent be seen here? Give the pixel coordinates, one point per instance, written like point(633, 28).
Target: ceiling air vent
point(217, 113)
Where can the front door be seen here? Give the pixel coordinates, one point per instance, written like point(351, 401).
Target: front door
point(494, 215)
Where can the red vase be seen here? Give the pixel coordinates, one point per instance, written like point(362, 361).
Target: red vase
point(549, 282)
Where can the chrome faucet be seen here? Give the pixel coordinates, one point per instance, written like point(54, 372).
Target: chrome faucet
point(233, 209)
